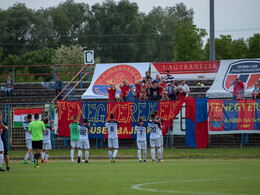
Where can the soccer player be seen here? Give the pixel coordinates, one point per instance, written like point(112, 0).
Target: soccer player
point(160, 120)
point(141, 130)
point(83, 140)
point(36, 128)
point(155, 141)
point(1, 151)
point(74, 136)
point(46, 140)
point(112, 127)
point(4, 127)
point(28, 138)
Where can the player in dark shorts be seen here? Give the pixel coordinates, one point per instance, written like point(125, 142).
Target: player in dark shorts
point(36, 128)
point(4, 127)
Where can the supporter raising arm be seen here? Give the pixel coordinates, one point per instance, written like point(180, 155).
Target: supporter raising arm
point(111, 91)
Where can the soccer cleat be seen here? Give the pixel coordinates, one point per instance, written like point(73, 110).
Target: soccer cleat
point(42, 160)
point(45, 161)
point(114, 160)
point(79, 159)
point(36, 166)
point(32, 162)
point(2, 169)
point(7, 168)
point(25, 162)
point(153, 160)
point(159, 161)
point(140, 160)
point(144, 160)
point(86, 161)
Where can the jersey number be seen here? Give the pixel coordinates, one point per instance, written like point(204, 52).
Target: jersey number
point(83, 132)
point(112, 129)
point(153, 129)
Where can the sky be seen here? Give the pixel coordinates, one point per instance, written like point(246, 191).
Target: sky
point(238, 18)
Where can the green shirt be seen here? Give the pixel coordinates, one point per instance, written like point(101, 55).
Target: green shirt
point(74, 131)
point(36, 127)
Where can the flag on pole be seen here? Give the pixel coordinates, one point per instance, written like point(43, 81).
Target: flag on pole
point(20, 115)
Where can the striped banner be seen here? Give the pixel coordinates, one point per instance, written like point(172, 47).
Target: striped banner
point(20, 115)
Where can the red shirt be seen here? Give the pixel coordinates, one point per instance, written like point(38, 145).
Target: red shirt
point(238, 87)
point(161, 89)
point(111, 95)
point(125, 90)
point(138, 90)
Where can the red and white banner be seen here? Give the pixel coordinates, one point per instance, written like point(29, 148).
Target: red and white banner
point(187, 70)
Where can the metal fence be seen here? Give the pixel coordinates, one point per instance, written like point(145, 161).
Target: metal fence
point(174, 138)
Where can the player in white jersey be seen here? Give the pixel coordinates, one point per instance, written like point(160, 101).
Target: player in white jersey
point(84, 129)
point(141, 130)
point(155, 141)
point(112, 127)
point(1, 151)
point(46, 141)
point(162, 127)
point(28, 138)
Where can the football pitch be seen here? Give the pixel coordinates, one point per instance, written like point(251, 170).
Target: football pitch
point(173, 176)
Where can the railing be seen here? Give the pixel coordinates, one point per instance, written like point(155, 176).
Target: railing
point(54, 73)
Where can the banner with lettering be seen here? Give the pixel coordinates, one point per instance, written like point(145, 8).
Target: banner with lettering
point(108, 73)
point(231, 115)
point(126, 113)
point(187, 70)
point(248, 71)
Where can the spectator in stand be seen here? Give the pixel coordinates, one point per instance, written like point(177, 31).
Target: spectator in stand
point(9, 86)
point(143, 93)
point(124, 89)
point(148, 84)
point(239, 89)
point(111, 92)
point(162, 87)
point(155, 87)
point(131, 94)
point(147, 77)
point(157, 79)
point(138, 87)
point(172, 90)
point(165, 96)
point(58, 85)
point(256, 92)
point(183, 90)
point(168, 79)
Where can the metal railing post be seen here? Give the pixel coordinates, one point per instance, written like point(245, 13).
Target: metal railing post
point(13, 74)
point(54, 72)
point(81, 80)
point(9, 125)
point(68, 93)
point(89, 73)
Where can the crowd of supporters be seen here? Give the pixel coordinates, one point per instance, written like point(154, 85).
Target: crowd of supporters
point(160, 88)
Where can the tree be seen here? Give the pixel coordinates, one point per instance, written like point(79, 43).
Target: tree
point(254, 46)
point(188, 42)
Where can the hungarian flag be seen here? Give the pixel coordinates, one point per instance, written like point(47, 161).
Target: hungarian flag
point(20, 115)
point(196, 122)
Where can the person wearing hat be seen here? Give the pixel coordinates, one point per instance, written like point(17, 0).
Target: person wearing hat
point(239, 88)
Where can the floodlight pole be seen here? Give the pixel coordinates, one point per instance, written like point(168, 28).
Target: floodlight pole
point(211, 31)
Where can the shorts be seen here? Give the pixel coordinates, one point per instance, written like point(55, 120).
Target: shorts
point(74, 144)
point(155, 143)
point(1, 146)
point(37, 144)
point(142, 145)
point(84, 144)
point(113, 143)
point(29, 144)
point(161, 138)
point(5, 144)
point(47, 145)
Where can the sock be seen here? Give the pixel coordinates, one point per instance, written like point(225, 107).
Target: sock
point(145, 154)
point(153, 154)
point(34, 157)
point(72, 155)
point(139, 154)
point(110, 154)
point(1, 159)
point(26, 156)
point(31, 156)
point(46, 157)
point(80, 154)
point(159, 153)
point(38, 155)
point(86, 155)
point(43, 153)
point(115, 153)
point(162, 151)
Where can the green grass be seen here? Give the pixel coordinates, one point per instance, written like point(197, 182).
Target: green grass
point(212, 176)
point(168, 153)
